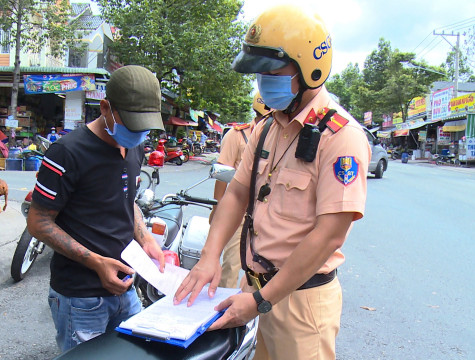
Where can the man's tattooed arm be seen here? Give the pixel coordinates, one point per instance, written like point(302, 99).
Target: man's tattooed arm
point(41, 225)
point(141, 234)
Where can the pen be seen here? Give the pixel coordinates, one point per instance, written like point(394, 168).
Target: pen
point(126, 278)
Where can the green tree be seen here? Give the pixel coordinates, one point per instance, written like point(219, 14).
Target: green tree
point(465, 72)
point(190, 45)
point(389, 84)
point(33, 24)
point(345, 86)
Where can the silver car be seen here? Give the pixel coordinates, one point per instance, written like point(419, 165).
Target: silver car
point(379, 156)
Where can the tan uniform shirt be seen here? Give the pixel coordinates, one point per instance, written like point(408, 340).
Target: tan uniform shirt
point(233, 145)
point(302, 191)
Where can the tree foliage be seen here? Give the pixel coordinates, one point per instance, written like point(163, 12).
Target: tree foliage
point(465, 72)
point(389, 81)
point(190, 45)
point(33, 24)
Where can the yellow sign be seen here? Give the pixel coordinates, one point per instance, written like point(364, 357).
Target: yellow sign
point(417, 106)
point(397, 118)
point(463, 103)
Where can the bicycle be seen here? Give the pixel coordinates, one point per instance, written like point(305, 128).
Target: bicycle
point(148, 181)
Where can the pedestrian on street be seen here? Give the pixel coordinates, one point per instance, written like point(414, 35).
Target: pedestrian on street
point(52, 136)
point(83, 208)
point(232, 148)
point(310, 185)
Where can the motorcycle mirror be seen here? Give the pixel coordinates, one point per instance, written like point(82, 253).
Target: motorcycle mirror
point(221, 172)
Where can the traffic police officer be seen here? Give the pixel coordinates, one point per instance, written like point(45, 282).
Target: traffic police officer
point(232, 148)
point(311, 186)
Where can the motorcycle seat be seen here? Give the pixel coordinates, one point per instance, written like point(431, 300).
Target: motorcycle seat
point(213, 345)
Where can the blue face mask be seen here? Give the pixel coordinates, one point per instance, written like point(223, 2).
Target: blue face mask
point(276, 91)
point(124, 137)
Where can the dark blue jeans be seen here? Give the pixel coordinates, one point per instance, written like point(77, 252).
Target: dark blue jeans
point(81, 319)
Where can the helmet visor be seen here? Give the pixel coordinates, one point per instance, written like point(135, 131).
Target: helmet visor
point(253, 59)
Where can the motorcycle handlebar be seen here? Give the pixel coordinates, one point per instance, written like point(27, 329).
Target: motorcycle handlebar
point(200, 200)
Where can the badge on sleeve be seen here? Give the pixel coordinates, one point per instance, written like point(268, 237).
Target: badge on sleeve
point(346, 169)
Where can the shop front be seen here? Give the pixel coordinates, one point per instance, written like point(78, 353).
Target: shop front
point(48, 97)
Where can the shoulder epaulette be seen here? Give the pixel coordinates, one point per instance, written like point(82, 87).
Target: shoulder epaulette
point(335, 122)
point(242, 127)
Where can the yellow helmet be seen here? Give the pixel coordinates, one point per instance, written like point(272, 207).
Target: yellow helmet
point(258, 104)
point(286, 33)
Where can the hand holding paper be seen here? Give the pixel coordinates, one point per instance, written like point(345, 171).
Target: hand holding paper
point(166, 282)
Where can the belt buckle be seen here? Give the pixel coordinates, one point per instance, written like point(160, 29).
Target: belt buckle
point(254, 281)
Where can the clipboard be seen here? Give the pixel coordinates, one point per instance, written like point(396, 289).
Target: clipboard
point(166, 338)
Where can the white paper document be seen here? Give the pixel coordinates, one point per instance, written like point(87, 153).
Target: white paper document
point(167, 282)
point(164, 320)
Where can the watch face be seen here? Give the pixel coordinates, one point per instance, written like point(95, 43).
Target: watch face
point(264, 307)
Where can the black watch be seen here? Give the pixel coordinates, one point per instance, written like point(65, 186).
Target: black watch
point(263, 306)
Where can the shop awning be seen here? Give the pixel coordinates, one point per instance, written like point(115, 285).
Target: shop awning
point(404, 132)
point(216, 127)
point(173, 120)
point(454, 126)
point(384, 134)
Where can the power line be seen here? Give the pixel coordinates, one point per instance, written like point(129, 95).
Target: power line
point(456, 23)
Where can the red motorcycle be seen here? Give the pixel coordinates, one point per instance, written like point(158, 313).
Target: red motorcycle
point(172, 154)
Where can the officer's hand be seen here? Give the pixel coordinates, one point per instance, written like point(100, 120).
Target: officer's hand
point(154, 252)
point(204, 272)
point(108, 269)
point(241, 308)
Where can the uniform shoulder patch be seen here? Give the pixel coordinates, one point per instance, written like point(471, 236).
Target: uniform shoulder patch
point(242, 127)
point(346, 169)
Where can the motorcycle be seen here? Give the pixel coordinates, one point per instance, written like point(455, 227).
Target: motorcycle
point(172, 154)
point(28, 247)
point(447, 159)
point(164, 218)
point(212, 146)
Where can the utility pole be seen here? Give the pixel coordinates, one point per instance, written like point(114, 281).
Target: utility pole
point(457, 57)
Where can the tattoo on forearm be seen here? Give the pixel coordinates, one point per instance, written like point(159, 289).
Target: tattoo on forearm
point(139, 226)
point(51, 234)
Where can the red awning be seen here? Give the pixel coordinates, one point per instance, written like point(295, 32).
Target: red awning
point(217, 127)
point(173, 120)
point(404, 132)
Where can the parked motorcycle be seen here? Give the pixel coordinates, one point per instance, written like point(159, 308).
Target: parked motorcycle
point(164, 218)
point(447, 159)
point(172, 154)
point(28, 247)
point(211, 145)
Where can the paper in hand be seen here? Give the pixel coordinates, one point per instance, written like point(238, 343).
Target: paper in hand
point(167, 282)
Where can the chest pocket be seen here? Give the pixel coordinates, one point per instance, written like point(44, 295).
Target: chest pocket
point(292, 197)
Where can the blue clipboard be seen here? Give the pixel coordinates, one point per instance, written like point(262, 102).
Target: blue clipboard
point(172, 341)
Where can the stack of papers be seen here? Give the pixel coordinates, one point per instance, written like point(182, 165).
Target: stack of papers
point(163, 321)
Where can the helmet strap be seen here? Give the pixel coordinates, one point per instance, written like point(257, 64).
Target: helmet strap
point(295, 102)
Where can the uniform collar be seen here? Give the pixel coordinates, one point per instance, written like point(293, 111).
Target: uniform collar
point(319, 101)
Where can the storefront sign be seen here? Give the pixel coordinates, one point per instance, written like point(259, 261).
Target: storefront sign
point(471, 148)
point(417, 106)
point(443, 138)
point(441, 103)
point(11, 123)
point(397, 118)
point(384, 134)
point(73, 109)
point(387, 121)
point(368, 118)
point(99, 93)
point(422, 135)
point(463, 103)
point(51, 83)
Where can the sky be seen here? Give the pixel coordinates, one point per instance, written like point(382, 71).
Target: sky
point(357, 25)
